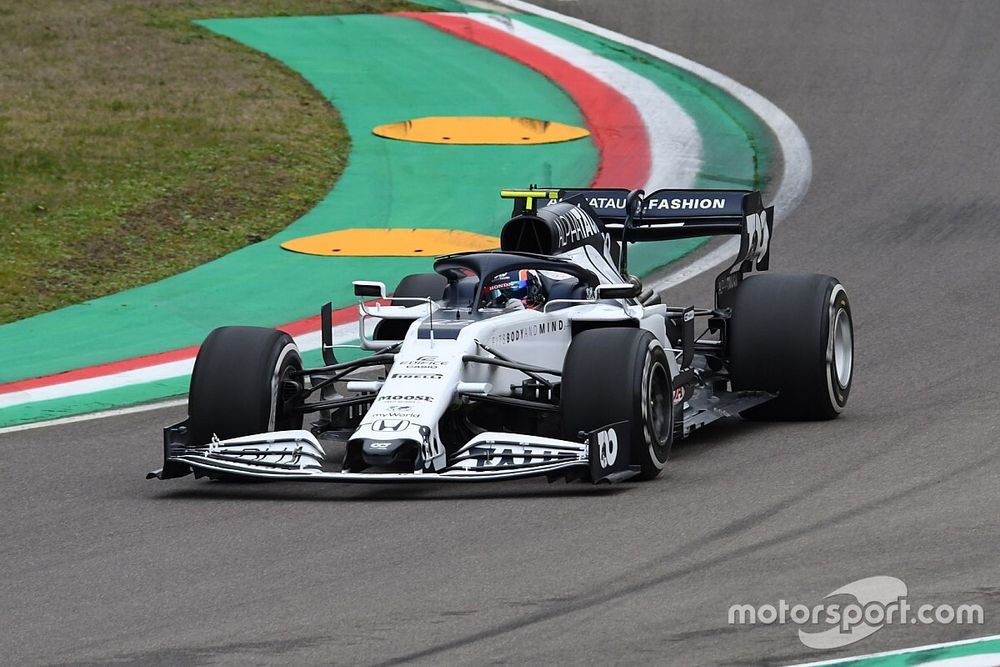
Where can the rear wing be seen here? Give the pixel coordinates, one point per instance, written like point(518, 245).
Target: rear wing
point(671, 214)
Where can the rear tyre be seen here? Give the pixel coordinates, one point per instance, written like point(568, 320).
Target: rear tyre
point(239, 384)
point(793, 335)
point(618, 374)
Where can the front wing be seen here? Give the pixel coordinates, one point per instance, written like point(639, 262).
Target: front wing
point(488, 457)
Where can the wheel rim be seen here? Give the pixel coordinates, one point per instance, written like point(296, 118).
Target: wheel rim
point(660, 405)
point(277, 420)
point(843, 348)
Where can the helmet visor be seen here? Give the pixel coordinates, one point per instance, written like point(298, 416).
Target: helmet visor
point(499, 295)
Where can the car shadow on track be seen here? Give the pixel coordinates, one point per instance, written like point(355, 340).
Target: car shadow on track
point(353, 493)
point(719, 434)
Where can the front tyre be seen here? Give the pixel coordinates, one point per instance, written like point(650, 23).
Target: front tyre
point(793, 335)
point(417, 285)
point(239, 384)
point(420, 285)
point(620, 374)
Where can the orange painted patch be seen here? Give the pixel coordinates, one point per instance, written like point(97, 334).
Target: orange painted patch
point(480, 130)
point(391, 243)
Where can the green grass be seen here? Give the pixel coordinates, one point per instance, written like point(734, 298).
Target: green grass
point(135, 145)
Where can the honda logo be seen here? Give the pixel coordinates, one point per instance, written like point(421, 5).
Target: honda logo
point(393, 425)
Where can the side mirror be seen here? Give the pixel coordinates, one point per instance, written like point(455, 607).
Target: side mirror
point(369, 289)
point(617, 291)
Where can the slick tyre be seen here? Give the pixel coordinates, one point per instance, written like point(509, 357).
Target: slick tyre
point(420, 285)
point(239, 384)
point(793, 335)
point(618, 374)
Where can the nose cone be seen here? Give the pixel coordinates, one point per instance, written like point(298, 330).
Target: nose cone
point(398, 453)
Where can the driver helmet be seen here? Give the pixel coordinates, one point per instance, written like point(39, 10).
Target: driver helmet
point(523, 285)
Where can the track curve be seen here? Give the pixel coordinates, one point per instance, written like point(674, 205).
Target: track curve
point(897, 101)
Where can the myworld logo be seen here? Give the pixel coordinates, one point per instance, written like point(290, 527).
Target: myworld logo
point(865, 607)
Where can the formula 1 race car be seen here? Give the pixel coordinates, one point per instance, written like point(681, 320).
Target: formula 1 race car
point(545, 357)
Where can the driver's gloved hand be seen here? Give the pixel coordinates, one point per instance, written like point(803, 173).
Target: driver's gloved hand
point(513, 304)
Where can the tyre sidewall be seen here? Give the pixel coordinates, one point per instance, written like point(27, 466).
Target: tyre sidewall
point(287, 360)
point(653, 451)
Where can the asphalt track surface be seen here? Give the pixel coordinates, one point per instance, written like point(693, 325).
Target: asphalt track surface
point(898, 103)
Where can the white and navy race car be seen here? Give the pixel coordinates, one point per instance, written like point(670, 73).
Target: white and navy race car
point(545, 357)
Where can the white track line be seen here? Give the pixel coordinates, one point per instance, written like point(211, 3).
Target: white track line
point(154, 373)
point(797, 160)
point(306, 342)
point(674, 141)
point(117, 412)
